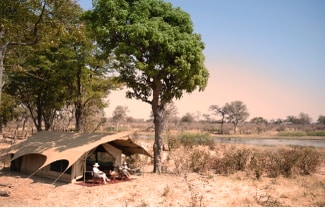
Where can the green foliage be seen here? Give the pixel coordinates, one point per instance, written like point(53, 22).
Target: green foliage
point(321, 119)
point(8, 105)
point(156, 50)
point(296, 134)
point(302, 133)
point(315, 133)
point(61, 68)
point(189, 139)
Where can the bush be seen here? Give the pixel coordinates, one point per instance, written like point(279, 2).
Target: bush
point(272, 164)
point(191, 140)
point(309, 160)
point(288, 160)
point(233, 161)
point(173, 142)
point(257, 163)
point(200, 161)
point(303, 160)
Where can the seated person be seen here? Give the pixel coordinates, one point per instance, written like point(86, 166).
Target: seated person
point(99, 174)
point(124, 171)
point(113, 173)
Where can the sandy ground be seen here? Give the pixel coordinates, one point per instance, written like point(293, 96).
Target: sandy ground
point(167, 190)
point(149, 189)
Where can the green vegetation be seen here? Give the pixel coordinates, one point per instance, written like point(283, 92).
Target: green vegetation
point(188, 139)
point(302, 133)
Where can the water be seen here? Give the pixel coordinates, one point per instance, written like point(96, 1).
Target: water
point(262, 141)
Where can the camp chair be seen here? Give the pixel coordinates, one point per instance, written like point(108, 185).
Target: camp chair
point(100, 176)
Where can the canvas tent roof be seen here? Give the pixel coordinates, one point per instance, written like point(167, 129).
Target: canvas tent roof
point(72, 146)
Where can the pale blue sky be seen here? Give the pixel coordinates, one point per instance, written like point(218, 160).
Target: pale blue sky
point(270, 54)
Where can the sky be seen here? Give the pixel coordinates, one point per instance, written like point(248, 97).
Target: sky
point(269, 54)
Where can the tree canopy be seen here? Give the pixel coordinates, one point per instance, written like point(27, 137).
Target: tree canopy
point(157, 54)
point(59, 64)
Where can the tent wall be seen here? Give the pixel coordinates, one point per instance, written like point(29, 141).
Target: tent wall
point(78, 169)
point(116, 153)
point(30, 163)
point(48, 173)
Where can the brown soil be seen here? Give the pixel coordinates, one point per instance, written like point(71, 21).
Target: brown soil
point(167, 189)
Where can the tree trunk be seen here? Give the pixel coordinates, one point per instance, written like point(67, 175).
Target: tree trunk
point(2, 68)
point(39, 120)
point(79, 104)
point(157, 110)
point(1, 124)
point(79, 116)
point(158, 145)
point(235, 127)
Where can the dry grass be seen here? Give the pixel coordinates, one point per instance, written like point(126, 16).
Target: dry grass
point(179, 186)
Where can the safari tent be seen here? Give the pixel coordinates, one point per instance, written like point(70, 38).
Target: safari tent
point(67, 156)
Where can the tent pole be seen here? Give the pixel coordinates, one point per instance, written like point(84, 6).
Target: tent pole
point(85, 166)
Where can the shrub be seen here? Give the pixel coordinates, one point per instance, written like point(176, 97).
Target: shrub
point(304, 160)
point(272, 164)
point(180, 161)
point(257, 163)
point(173, 142)
point(232, 161)
point(309, 160)
point(199, 161)
point(241, 157)
point(191, 140)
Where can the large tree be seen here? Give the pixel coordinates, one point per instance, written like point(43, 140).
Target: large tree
point(236, 112)
point(62, 69)
point(157, 54)
point(19, 26)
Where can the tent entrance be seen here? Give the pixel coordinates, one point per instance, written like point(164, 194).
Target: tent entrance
point(105, 155)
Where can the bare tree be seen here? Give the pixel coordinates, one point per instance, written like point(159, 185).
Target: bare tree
point(218, 111)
